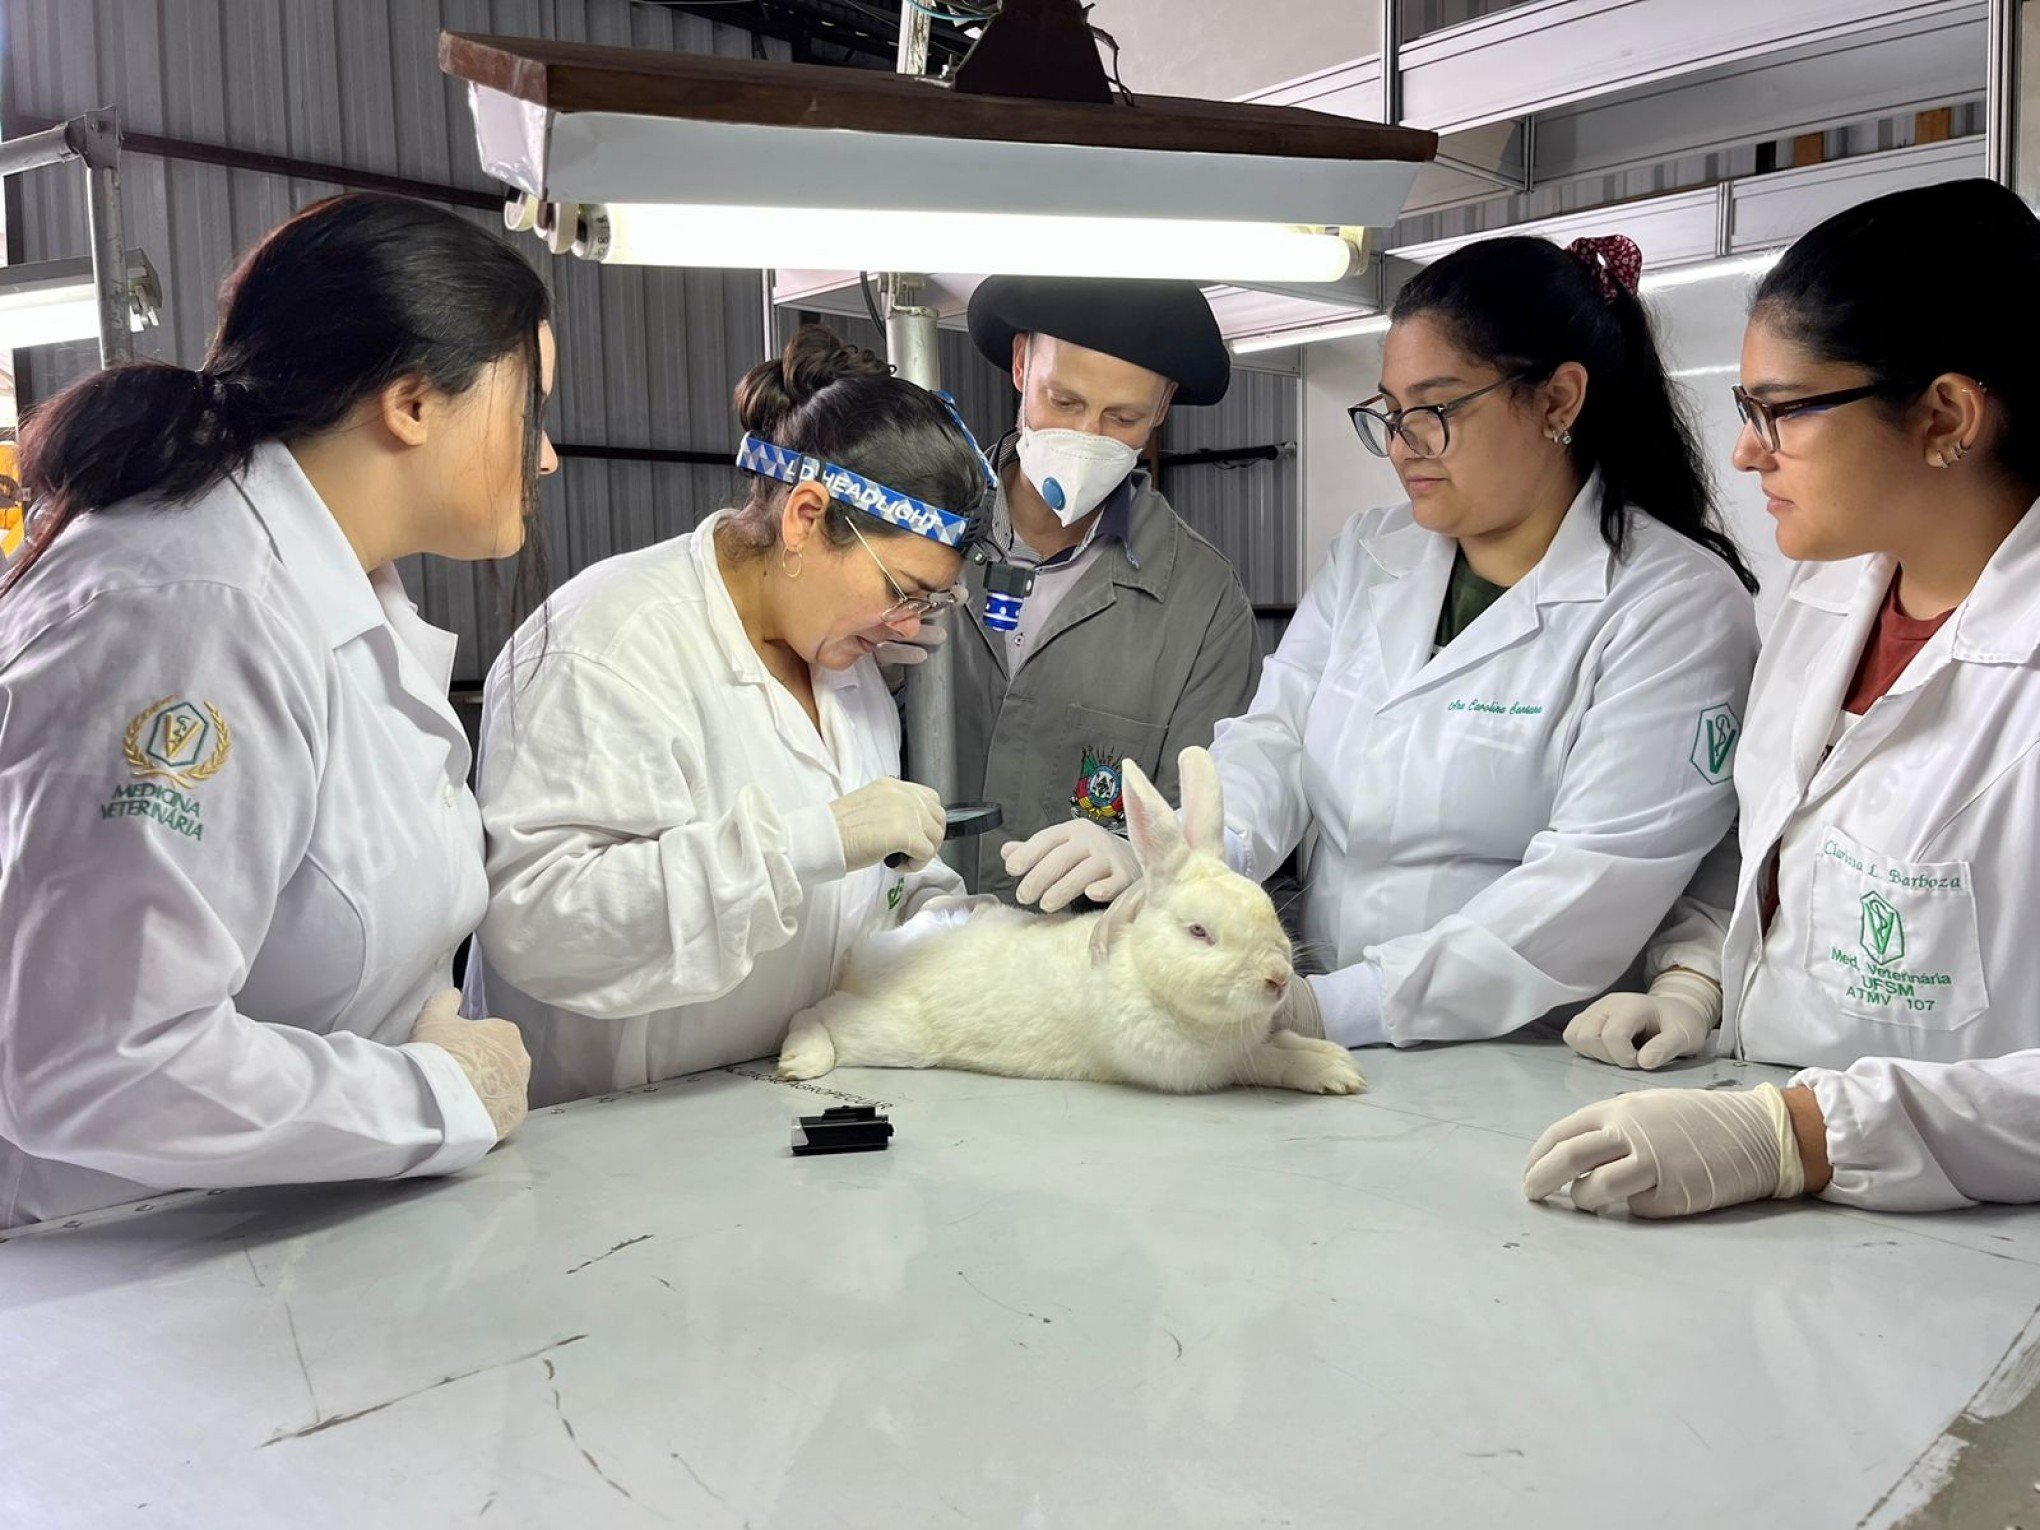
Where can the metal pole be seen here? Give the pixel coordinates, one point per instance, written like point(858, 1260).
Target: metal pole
point(911, 335)
point(1391, 66)
point(50, 147)
point(771, 313)
point(911, 346)
point(101, 153)
point(2001, 93)
point(911, 341)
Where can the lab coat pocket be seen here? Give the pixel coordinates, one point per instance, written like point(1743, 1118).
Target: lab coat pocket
point(1895, 941)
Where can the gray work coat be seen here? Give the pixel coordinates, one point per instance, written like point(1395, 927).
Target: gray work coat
point(1140, 660)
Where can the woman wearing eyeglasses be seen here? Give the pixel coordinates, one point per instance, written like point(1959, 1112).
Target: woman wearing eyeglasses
point(1882, 936)
point(1502, 723)
point(689, 758)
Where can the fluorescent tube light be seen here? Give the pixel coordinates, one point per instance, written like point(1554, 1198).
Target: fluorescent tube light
point(1710, 270)
point(1745, 266)
point(1343, 329)
point(1020, 244)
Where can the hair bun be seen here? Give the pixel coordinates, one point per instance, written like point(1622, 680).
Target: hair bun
point(815, 359)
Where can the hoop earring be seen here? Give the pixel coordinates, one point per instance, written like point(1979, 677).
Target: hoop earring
point(1958, 451)
point(791, 562)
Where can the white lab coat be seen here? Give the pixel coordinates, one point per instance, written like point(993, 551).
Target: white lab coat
point(666, 879)
point(1903, 961)
point(1500, 827)
point(212, 981)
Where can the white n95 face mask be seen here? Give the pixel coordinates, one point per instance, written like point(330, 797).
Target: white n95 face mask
point(1072, 469)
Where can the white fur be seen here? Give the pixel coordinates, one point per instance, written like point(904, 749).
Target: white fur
point(1125, 996)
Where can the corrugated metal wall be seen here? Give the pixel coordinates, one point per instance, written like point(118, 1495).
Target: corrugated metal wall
point(1248, 510)
point(647, 356)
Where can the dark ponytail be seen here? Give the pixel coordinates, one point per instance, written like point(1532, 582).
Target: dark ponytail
point(1849, 292)
point(350, 295)
point(1523, 305)
point(842, 403)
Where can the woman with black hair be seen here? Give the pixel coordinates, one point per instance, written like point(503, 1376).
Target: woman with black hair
point(1882, 933)
point(689, 758)
point(1501, 724)
point(237, 849)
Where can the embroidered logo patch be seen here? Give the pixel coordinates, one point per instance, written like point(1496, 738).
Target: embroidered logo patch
point(173, 741)
point(1714, 741)
point(1883, 932)
point(171, 747)
point(1098, 795)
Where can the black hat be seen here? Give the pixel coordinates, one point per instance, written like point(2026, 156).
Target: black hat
point(1166, 327)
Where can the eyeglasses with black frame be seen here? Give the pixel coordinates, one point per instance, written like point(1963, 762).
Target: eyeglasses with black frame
point(1424, 428)
point(1763, 417)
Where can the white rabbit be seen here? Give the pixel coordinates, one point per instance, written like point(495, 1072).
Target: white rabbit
point(1174, 987)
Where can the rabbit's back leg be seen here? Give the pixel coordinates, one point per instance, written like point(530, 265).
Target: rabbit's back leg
point(849, 1030)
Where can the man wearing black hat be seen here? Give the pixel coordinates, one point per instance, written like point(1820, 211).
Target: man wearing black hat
point(1137, 637)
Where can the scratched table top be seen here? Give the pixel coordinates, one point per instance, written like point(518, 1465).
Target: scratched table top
point(1048, 1304)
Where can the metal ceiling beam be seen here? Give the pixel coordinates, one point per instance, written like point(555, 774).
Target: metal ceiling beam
point(1891, 71)
point(1545, 57)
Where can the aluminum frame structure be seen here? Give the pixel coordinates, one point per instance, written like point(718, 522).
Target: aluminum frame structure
point(93, 141)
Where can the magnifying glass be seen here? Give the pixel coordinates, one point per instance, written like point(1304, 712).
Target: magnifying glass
point(965, 821)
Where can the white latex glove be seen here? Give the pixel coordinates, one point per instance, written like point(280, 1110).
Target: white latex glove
point(490, 1052)
point(1673, 1020)
point(1299, 1011)
point(1066, 860)
point(887, 817)
point(1670, 1152)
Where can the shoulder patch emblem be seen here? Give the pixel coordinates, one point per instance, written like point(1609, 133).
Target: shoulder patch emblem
point(173, 740)
point(1714, 741)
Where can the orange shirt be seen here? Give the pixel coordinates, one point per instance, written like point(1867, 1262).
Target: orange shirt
point(1893, 642)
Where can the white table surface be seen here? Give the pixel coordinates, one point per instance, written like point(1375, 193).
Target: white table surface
point(1047, 1305)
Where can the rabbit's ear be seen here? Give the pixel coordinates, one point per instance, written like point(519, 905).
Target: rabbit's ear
point(1118, 918)
point(1151, 825)
point(1203, 801)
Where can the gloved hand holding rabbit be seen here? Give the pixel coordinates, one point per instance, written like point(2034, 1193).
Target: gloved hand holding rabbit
point(1175, 987)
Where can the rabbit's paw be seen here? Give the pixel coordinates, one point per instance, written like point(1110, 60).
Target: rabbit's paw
point(1331, 1071)
point(808, 1052)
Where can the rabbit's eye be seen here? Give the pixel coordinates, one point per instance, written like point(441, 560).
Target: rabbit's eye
point(1199, 932)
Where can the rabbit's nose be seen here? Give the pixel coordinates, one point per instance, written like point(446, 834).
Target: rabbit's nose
point(1277, 986)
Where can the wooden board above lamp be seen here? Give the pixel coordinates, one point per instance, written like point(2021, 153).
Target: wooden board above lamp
point(583, 77)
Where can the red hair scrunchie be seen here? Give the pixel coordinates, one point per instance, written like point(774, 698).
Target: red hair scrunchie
point(1614, 260)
